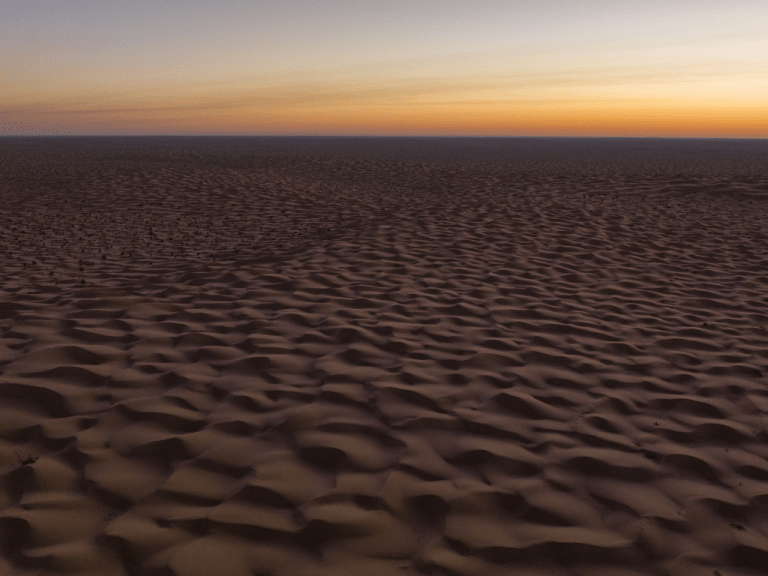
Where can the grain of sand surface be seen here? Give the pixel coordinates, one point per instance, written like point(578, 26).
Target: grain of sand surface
point(329, 357)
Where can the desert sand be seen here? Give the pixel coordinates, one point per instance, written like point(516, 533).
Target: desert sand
point(295, 358)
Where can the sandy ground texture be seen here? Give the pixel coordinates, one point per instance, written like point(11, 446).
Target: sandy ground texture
point(215, 361)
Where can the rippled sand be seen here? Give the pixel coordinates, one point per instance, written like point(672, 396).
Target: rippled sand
point(217, 359)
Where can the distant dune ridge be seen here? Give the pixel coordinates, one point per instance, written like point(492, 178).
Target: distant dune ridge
point(387, 357)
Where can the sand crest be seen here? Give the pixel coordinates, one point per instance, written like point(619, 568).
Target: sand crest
point(216, 361)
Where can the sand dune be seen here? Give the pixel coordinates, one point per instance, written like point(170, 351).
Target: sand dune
point(223, 363)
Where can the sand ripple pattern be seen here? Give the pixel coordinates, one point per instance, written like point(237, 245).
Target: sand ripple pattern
point(324, 366)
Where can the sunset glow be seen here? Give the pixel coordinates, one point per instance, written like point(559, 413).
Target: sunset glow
point(389, 68)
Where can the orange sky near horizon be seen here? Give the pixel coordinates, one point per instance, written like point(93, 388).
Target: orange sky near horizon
point(399, 68)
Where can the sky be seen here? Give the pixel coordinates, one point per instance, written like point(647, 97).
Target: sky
point(686, 68)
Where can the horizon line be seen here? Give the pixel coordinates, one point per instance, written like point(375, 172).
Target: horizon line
point(383, 136)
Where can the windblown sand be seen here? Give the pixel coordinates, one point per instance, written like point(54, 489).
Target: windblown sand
point(217, 359)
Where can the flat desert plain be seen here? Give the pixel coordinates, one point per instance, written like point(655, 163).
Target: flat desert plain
point(392, 357)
